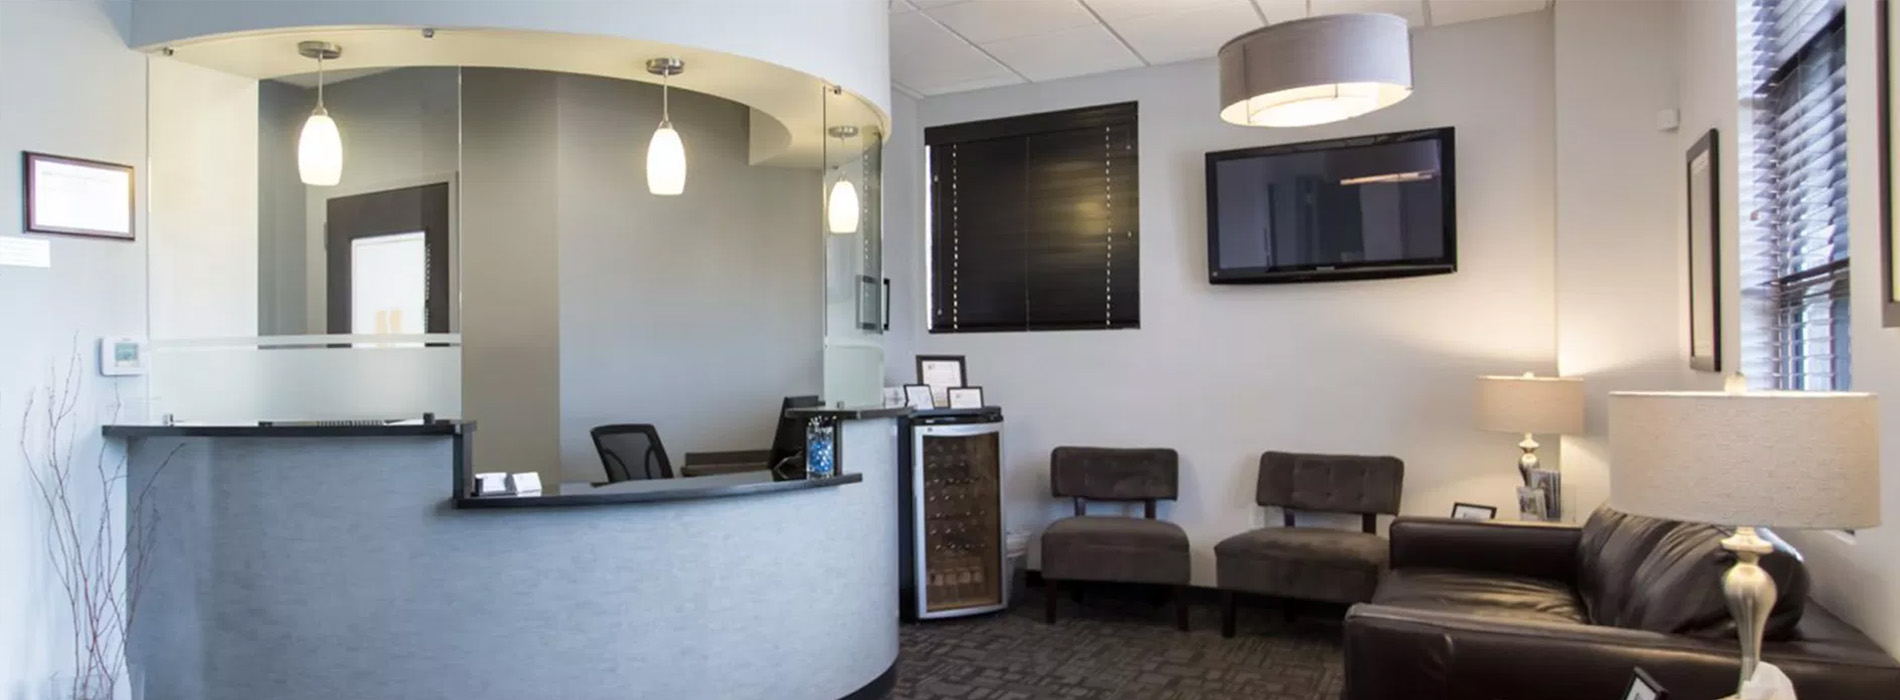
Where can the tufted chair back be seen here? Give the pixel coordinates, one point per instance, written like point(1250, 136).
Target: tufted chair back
point(1367, 486)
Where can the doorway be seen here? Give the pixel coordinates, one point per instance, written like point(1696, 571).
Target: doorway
point(388, 261)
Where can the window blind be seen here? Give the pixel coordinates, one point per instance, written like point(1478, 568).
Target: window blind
point(1801, 260)
point(1034, 222)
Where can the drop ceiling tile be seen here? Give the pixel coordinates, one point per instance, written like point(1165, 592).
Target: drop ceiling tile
point(984, 21)
point(1070, 52)
point(1277, 11)
point(925, 56)
point(1412, 10)
point(900, 6)
point(927, 4)
point(1111, 10)
point(1454, 11)
point(978, 84)
point(1181, 36)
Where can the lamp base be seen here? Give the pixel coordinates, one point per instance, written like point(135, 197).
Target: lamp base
point(1751, 594)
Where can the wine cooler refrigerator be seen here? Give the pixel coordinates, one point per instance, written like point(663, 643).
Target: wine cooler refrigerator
point(952, 560)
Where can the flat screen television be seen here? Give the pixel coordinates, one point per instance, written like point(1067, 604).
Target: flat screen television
point(1366, 207)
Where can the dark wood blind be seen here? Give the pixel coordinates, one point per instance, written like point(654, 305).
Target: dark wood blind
point(1034, 222)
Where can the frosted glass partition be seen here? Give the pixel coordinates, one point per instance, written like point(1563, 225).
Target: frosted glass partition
point(854, 253)
point(309, 377)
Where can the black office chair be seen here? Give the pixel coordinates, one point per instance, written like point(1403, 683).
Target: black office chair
point(631, 451)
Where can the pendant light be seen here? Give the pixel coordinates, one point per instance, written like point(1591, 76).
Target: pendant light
point(1315, 70)
point(666, 155)
point(320, 146)
point(842, 213)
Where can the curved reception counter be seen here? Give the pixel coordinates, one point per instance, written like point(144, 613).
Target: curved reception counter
point(312, 563)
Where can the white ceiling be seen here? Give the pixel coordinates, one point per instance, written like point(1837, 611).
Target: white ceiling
point(945, 46)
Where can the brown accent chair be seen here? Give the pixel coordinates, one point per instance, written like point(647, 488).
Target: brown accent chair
point(1475, 610)
point(1305, 563)
point(1115, 548)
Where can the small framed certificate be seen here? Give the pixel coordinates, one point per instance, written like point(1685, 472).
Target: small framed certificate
point(966, 397)
point(918, 397)
point(941, 373)
point(79, 197)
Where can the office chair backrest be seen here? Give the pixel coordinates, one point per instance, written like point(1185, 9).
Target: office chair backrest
point(631, 451)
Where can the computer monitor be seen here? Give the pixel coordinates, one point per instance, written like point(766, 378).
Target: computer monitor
point(788, 443)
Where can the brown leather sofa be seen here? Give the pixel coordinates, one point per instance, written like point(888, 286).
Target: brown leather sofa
point(1488, 610)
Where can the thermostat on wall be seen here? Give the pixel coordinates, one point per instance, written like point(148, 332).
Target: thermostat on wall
point(119, 357)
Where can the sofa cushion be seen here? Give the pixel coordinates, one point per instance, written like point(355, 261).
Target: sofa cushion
point(1103, 548)
point(1665, 576)
point(1305, 563)
point(1484, 595)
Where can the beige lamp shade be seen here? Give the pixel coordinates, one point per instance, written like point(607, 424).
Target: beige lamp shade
point(1791, 459)
point(1531, 405)
point(1315, 70)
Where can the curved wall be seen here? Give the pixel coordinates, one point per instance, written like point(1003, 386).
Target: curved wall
point(842, 41)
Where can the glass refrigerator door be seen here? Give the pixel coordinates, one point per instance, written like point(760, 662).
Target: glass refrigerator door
point(961, 533)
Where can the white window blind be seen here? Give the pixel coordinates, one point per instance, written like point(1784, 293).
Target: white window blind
point(1798, 269)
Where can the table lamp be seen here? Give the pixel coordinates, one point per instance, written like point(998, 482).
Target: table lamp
point(1530, 405)
point(1784, 459)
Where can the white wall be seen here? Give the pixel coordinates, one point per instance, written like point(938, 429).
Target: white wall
point(1620, 252)
point(1224, 373)
point(1858, 577)
point(696, 312)
point(203, 202)
point(71, 88)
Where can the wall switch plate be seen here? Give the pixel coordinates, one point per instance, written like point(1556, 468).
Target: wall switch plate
point(121, 356)
point(1668, 120)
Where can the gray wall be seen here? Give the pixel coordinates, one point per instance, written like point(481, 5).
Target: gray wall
point(511, 300)
point(68, 86)
point(696, 313)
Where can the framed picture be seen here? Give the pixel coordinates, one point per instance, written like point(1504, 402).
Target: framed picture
point(79, 197)
point(1702, 174)
point(1473, 511)
point(1884, 70)
point(918, 397)
point(1530, 503)
point(941, 373)
point(1644, 687)
point(966, 397)
point(1551, 483)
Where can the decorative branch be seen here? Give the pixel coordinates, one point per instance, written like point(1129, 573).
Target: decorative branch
point(88, 559)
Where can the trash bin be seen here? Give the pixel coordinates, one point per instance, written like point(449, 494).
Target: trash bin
point(1016, 551)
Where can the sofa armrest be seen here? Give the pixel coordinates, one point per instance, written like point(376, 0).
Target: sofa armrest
point(1536, 550)
point(1396, 653)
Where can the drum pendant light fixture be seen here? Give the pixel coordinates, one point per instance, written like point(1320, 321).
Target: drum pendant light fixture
point(842, 210)
point(666, 155)
point(320, 145)
point(1315, 70)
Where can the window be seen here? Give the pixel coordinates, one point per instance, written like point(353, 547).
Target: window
point(1796, 274)
point(1034, 222)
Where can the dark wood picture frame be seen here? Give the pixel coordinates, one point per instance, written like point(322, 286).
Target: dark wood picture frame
point(1491, 512)
point(30, 197)
point(1641, 680)
point(1704, 227)
point(963, 374)
point(1883, 106)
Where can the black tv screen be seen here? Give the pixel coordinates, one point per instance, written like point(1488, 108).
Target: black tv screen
point(1358, 208)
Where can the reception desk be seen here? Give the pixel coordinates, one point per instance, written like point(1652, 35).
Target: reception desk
point(320, 563)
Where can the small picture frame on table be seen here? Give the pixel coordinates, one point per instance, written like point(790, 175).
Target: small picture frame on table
point(966, 397)
point(1644, 687)
point(941, 373)
point(1530, 504)
point(1473, 511)
point(919, 397)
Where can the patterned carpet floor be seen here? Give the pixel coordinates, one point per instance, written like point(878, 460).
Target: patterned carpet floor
point(1120, 648)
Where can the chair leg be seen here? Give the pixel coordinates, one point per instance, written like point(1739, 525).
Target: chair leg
point(1049, 593)
point(1181, 608)
point(1228, 610)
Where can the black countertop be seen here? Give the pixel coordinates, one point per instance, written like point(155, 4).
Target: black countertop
point(860, 413)
point(660, 490)
point(441, 427)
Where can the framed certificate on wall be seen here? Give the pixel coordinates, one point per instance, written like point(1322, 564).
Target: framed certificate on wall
point(79, 197)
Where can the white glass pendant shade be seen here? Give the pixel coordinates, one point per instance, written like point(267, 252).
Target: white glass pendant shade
point(843, 210)
point(1315, 70)
point(666, 162)
point(320, 150)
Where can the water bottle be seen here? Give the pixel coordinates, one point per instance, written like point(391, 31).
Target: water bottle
point(820, 448)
